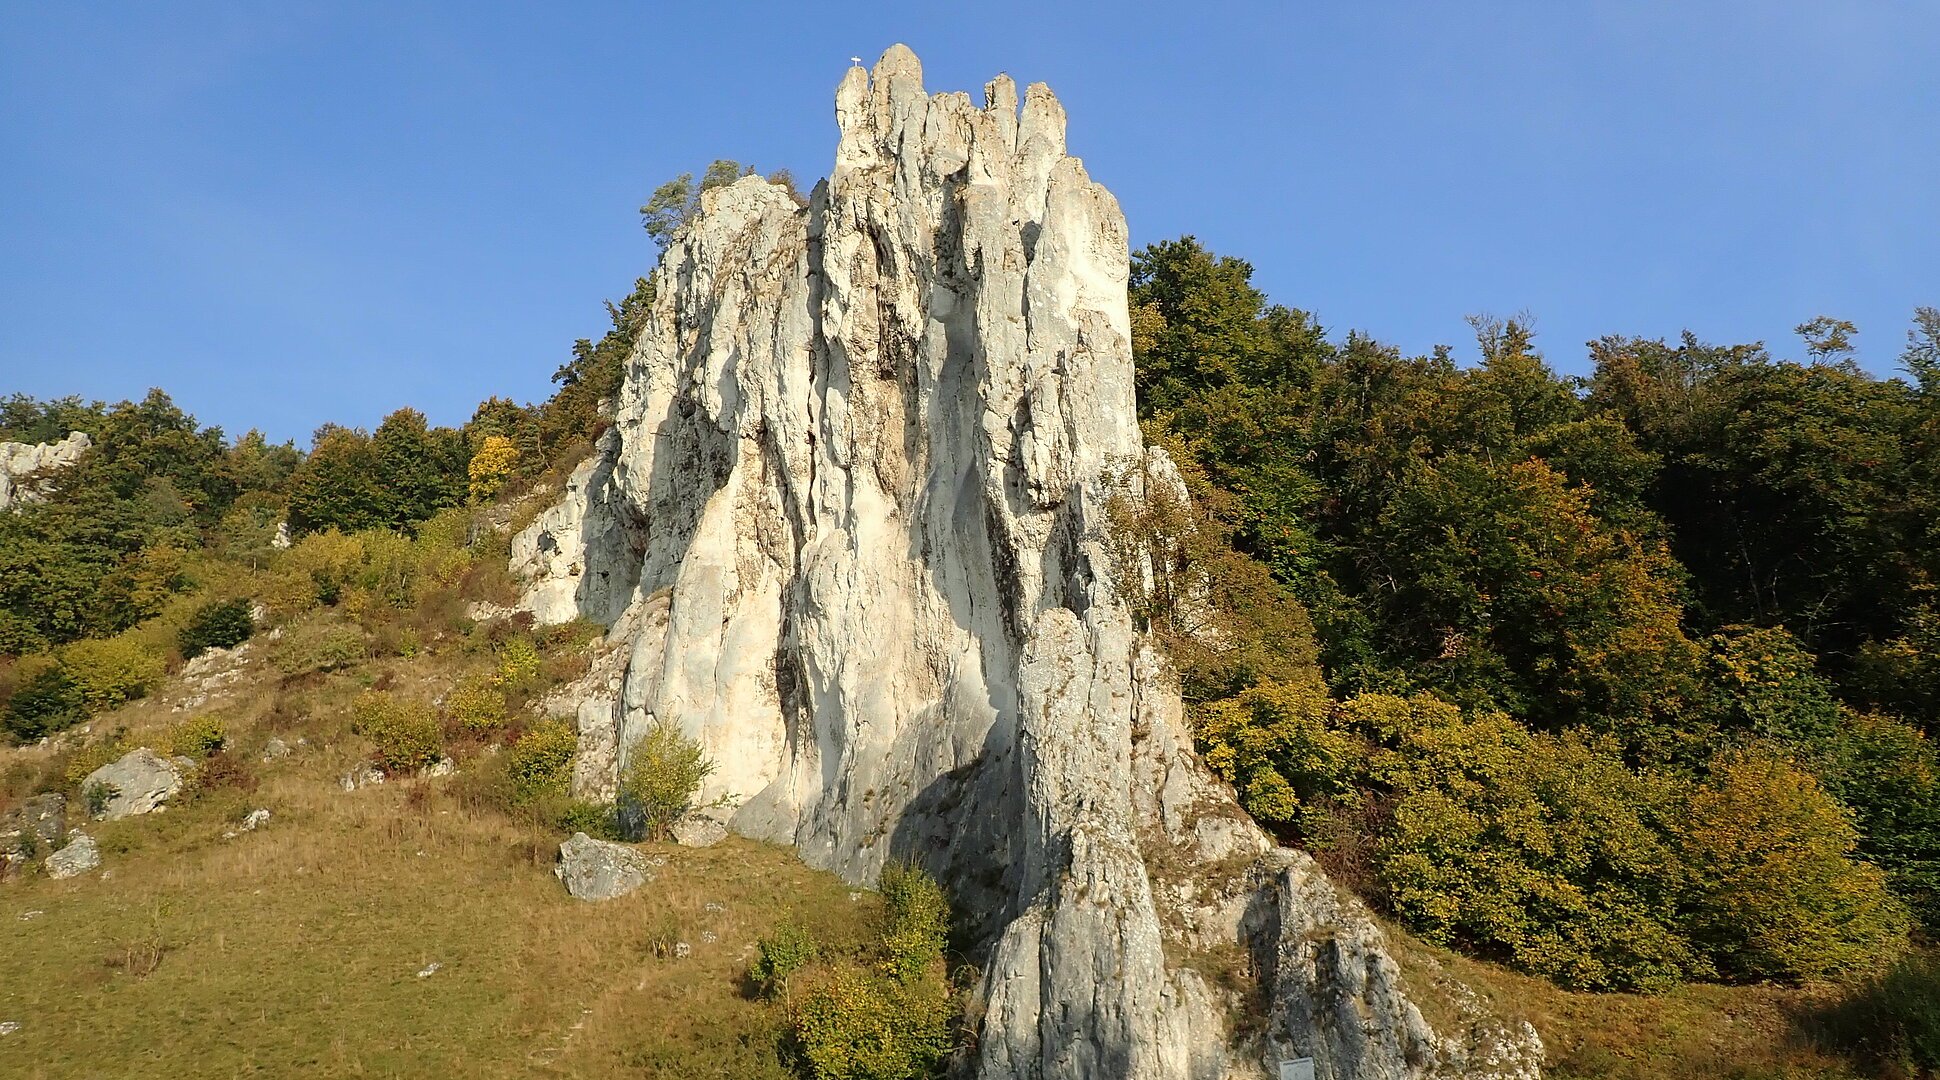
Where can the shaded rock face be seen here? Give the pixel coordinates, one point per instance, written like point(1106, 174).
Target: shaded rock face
point(139, 783)
point(24, 467)
point(847, 531)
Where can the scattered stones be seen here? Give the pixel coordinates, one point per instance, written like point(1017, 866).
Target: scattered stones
point(274, 749)
point(39, 822)
point(429, 970)
point(8, 1027)
point(440, 767)
point(27, 916)
point(486, 611)
point(709, 937)
point(599, 869)
point(698, 830)
point(682, 950)
point(713, 908)
point(253, 821)
point(361, 777)
point(80, 855)
point(139, 783)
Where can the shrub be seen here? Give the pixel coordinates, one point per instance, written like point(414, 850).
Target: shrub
point(779, 957)
point(197, 737)
point(318, 646)
point(855, 1026)
point(1888, 772)
point(44, 701)
point(1777, 892)
point(497, 459)
point(404, 734)
point(1545, 851)
point(1893, 1022)
point(219, 624)
point(223, 772)
point(476, 707)
point(93, 756)
point(663, 773)
point(1276, 745)
point(518, 663)
point(889, 1023)
point(540, 762)
point(112, 671)
point(594, 819)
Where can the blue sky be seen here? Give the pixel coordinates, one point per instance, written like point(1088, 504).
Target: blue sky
point(292, 213)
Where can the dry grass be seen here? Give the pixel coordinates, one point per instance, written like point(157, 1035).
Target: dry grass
point(295, 949)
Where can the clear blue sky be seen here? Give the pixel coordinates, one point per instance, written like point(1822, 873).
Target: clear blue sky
point(290, 213)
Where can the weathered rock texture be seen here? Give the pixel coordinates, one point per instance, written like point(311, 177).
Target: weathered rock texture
point(600, 869)
point(848, 532)
point(25, 467)
point(138, 783)
point(80, 855)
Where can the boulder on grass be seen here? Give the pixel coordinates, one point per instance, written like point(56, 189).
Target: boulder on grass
point(599, 869)
point(698, 830)
point(39, 822)
point(139, 783)
point(80, 855)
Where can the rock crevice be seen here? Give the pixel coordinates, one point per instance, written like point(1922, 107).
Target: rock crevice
point(847, 531)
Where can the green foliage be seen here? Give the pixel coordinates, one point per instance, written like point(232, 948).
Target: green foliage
point(1893, 1022)
point(92, 756)
point(663, 773)
point(1888, 772)
point(518, 663)
point(393, 478)
point(198, 737)
point(1542, 850)
point(318, 645)
point(540, 761)
point(1778, 893)
point(404, 735)
point(780, 956)
point(677, 201)
point(476, 707)
point(112, 671)
point(1277, 745)
point(889, 1023)
point(218, 624)
point(45, 700)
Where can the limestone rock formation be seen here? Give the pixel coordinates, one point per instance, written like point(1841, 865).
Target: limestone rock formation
point(848, 531)
point(600, 869)
point(80, 855)
point(24, 467)
point(138, 783)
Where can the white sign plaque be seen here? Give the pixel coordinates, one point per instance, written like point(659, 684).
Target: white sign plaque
point(1297, 1069)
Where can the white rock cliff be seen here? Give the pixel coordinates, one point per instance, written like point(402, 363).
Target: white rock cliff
point(847, 530)
point(24, 467)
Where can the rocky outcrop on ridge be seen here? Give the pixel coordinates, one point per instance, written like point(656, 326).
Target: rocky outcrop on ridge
point(24, 467)
point(848, 530)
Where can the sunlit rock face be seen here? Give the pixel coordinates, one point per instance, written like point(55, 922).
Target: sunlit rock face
point(26, 468)
point(847, 531)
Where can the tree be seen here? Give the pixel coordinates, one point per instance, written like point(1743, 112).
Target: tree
point(674, 203)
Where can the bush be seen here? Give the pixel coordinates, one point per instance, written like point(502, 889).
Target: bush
point(594, 819)
point(475, 707)
point(663, 773)
point(197, 737)
point(93, 756)
point(518, 663)
point(318, 646)
point(540, 763)
point(1893, 1022)
point(1275, 744)
point(889, 1023)
point(1544, 851)
point(219, 624)
point(1777, 892)
point(43, 702)
point(112, 671)
point(779, 957)
point(404, 734)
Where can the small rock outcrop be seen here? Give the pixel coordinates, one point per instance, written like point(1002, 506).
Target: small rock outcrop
point(80, 855)
point(26, 468)
point(39, 822)
point(139, 782)
point(848, 530)
point(600, 869)
point(698, 830)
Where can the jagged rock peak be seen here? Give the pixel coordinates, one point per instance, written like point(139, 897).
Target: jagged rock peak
point(24, 467)
point(848, 530)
